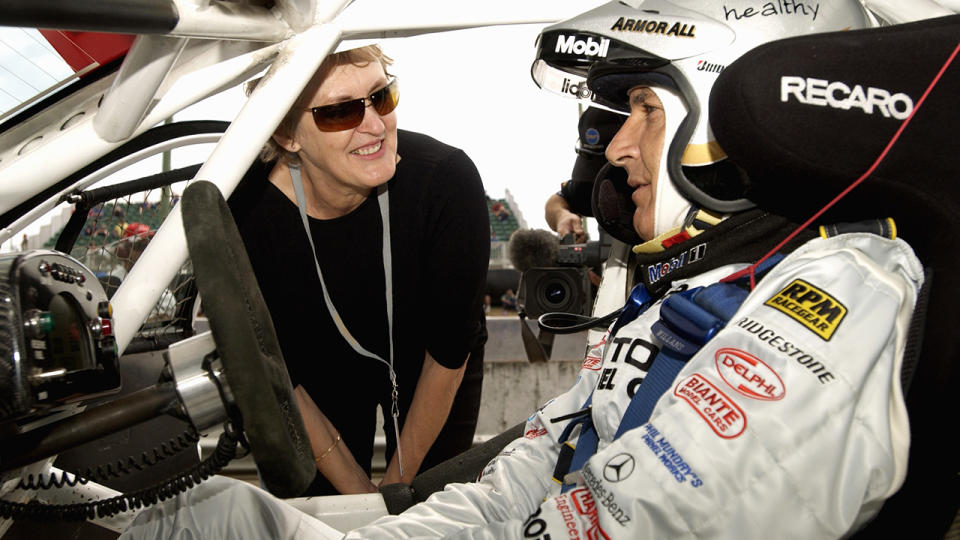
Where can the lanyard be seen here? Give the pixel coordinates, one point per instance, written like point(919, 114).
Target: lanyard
point(383, 200)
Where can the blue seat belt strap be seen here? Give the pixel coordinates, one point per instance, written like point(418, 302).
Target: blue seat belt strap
point(638, 302)
point(688, 320)
point(586, 447)
point(567, 450)
point(573, 458)
point(684, 327)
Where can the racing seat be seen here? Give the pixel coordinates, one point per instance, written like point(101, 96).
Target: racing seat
point(806, 117)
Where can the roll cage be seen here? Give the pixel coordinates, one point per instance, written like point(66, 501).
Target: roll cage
point(185, 51)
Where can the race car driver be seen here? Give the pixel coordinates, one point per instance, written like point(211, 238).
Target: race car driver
point(789, 421)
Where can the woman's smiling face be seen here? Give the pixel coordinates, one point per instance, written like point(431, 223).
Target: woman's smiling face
point(357, 159)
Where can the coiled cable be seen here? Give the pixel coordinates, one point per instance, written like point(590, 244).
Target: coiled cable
point(36, 511)
point(100, 473)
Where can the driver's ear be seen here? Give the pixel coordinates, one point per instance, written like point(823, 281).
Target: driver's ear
point(286, 142)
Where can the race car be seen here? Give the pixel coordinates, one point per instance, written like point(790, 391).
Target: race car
point(53, 152)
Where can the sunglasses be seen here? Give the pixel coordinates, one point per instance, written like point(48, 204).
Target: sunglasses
point(349, 114)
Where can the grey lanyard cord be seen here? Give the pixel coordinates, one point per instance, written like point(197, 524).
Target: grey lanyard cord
point(383, 200)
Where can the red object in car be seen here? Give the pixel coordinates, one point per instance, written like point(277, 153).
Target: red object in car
point(81, 49)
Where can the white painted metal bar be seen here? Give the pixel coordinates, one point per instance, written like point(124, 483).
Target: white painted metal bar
point(166, 253)
point(135, 87)
point(229, 20)
point(80, 145)
point(302, 14)
point(197, 84)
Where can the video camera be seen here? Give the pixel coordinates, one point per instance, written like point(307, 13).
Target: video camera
point(555, 274)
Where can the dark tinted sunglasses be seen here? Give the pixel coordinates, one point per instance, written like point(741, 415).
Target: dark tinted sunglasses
point(349, 114)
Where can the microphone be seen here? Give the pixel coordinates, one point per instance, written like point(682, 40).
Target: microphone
point(533, 248)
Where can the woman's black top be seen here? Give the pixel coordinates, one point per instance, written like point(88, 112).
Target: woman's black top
point(440, 236)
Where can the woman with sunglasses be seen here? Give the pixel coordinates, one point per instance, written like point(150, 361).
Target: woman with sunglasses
point(370, 245)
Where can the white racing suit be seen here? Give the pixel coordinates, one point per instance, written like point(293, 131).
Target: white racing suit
point(789, 423)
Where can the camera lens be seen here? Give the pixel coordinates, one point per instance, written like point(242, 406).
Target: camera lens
point(554, 289)
point(555, 293)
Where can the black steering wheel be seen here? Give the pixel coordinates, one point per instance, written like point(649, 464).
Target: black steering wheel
point(246, 343)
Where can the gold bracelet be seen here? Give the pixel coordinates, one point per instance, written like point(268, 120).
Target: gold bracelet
point(327, 452)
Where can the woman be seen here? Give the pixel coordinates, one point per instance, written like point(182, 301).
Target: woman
point(389, 217)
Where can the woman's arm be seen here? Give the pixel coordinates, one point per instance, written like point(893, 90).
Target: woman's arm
point(431, 404)
point(333, 458)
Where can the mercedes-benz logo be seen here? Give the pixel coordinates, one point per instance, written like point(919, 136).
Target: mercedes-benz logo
point(618, 467)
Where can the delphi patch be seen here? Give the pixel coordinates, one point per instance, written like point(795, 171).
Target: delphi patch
point(812, 307)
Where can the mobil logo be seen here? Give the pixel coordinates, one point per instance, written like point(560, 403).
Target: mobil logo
point(588, 47)
point(749, 375)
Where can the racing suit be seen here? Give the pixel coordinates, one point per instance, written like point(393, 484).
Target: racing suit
point(789, 423)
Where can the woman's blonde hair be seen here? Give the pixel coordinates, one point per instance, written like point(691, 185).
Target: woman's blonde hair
point(360, 57)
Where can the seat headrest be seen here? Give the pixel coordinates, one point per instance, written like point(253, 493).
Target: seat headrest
point(806, 116)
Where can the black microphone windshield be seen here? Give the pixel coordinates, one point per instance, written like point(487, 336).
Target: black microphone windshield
point(533, 248)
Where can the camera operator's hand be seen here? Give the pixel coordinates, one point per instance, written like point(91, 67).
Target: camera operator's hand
point(570, 223)
point(562, 220)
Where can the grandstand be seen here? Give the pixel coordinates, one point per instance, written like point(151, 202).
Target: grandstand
point(502, 220)
point(505, 218)
point(113, 221)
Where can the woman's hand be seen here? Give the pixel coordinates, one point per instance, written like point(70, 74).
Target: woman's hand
point(431, 404)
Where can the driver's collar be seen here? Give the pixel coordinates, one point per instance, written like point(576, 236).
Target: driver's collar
point(697, 221)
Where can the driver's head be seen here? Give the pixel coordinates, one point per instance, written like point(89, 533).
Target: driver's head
point(658, 60)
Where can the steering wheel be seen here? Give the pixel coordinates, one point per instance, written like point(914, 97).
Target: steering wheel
point(246, 343)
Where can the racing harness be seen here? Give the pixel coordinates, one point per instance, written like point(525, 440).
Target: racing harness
point(688, 320)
